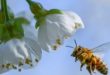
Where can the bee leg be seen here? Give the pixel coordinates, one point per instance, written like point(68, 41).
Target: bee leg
point(82, 64)
point(93, 68)
point(89, 69)
point(76, 59)
point(93, 65)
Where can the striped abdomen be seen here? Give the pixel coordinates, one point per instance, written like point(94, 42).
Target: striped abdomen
point(101, 67)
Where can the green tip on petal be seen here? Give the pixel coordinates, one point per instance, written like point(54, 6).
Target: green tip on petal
point(21, 20)
point(54, 11)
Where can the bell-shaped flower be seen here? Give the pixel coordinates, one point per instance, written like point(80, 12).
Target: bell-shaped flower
point(20, 53)
point(54, 25)
point(17, 48)
point(57, 27)
point(14, 55)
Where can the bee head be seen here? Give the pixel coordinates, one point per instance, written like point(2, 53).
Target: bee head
point(77, 50)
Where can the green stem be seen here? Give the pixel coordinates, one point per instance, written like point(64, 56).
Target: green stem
point(4, 10)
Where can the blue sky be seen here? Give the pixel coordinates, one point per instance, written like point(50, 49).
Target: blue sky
point(95, 15)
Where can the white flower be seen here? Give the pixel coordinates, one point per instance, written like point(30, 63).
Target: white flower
point(56, 28)
point(30, 34)
point(13, 54)
point(20, 54)
point(30, 37)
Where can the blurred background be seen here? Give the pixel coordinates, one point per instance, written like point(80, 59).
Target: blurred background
point(96, 17)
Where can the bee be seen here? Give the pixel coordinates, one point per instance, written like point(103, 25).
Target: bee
point(90, 58)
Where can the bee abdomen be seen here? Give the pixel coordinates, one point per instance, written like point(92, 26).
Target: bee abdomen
point(102, 69)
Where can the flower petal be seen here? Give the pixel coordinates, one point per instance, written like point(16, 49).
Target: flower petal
point(9, 53)
point(76, 18)
point(30, 37)
point(42, 38)
point(3, 70)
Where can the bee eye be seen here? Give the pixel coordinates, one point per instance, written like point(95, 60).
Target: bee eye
point(79, 49)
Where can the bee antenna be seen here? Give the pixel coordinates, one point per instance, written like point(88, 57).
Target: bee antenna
point(69, 46)
point(75, 43)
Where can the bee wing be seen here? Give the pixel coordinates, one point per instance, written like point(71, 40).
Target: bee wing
point(102, 49)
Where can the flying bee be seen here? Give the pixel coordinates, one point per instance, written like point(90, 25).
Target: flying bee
point(90, 57)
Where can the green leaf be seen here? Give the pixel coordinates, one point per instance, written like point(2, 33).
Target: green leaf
point(21, 20)
point(17, 31)
point(4, 33)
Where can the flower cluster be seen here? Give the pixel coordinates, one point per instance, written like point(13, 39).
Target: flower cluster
point(21, 43)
